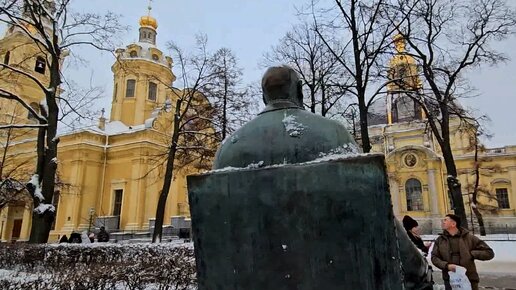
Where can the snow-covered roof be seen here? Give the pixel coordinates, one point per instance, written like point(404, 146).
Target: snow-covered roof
point(112, 128)
point(146, 52)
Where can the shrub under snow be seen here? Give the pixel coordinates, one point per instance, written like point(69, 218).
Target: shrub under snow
point(97, 266)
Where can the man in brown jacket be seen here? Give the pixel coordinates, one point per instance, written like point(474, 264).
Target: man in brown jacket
point(456, 246)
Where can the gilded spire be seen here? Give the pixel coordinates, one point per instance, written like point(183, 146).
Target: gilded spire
point(148, 20)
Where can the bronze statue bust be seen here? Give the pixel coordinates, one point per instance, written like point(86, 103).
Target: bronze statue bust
point(283, 133)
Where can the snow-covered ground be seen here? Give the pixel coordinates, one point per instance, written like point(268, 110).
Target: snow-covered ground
point(502, 266)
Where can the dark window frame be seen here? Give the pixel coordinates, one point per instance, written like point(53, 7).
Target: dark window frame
point(118, 197)
point(7, 57)
point(414, 195)
point(130, 90)
point(35, 107)
point(502, 197)
point(41, 65)
point(152, 93)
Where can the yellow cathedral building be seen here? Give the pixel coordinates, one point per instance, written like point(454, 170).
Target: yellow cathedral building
point(110, 174)
point(415, 166)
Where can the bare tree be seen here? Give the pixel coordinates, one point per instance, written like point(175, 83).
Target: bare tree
point(476, 187)
point(193, 140)
point(324, 80)
point(226, 92)
point(481, 198)
point(12, 166)
point(363, 28)
point(77, 105)
point(449, 38)
point(54, 32)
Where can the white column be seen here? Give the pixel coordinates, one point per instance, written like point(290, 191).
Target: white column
point(395, 197)
point(432, 193)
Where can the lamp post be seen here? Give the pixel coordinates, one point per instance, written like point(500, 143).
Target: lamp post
point(2, 227)
point(92, 213)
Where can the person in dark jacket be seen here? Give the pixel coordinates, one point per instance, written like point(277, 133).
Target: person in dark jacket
point(456, 246)
point(103, 236)
point(75, 238)
point(63, 239)
point(411, 226)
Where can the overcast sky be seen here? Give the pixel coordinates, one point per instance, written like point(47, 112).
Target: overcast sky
point(251, 27)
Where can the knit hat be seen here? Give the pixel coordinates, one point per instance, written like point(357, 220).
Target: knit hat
point(409, 223)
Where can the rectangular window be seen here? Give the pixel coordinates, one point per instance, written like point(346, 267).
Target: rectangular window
point(502, 195)
point(7, 57)
point(40, 65)
point(153, 90)
point(17, 224)
point(129, 89)
point(115, 91)
point(117, 207)
point(414, 195)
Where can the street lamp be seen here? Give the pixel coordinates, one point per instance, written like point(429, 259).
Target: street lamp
point(4, 218)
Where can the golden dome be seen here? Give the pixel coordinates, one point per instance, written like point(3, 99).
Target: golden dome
point(149, 21)
point(399, 42)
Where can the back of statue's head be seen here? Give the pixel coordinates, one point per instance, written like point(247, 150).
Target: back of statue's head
point(281, 83)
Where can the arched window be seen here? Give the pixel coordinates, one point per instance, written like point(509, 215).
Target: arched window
point(153, 90)
point(7, 57)
point(414, 195)
point(129, 88)
point(133, 53)
point(35, 107)
point(405, 109)
point(155, 57)
point(41, 64)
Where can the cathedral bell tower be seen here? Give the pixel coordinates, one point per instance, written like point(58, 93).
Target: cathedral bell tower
point(142, 77)
point(18, 50)
point(403, 73)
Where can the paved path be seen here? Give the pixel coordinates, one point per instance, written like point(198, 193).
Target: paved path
point(493, 275)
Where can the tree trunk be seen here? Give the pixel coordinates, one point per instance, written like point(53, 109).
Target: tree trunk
point(47, 161)
point(364, 133)
point(477, 212)
point(225, 105)
point(169, 174)
point(323, 99)
point(454, 185)
point(41, 226)
point(4, 155)
point(312, 98)
point(480, 220)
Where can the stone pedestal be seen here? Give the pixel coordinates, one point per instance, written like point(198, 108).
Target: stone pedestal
point(326, 225)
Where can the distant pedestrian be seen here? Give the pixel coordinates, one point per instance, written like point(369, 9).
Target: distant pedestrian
point(92, 237)
point(102, 236)
point(63, 239)
point(84, 237)
point(456, 246)
point(412, 228)
point(75, 238)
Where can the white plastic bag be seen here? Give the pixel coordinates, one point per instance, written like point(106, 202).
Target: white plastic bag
point(459, 280)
